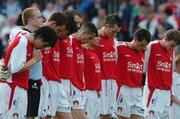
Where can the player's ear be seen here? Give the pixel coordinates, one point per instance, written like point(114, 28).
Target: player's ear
point(53, 23)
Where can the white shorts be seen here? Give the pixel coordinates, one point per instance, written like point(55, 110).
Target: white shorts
point(5, 92)
point(108, 97)
point(78, 98)
point(64, 99)
point(92, 104)
point(175, 111)
point(19, 104)
point(159, 105)
point(54, 87)
point(130, 101)
point(43, 106)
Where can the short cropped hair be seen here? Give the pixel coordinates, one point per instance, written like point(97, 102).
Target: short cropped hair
point(89, 28)
point(173, 34)
point(142, 34)
point(59, 18)
point(28, 13)
point(47, 34)
point(112, 20)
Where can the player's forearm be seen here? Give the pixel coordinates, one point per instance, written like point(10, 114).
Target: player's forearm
point(28, 65)
point(176, 100)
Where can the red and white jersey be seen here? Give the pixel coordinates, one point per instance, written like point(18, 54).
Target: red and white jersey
point(129, 66)
point(159, 65)
point(51, 63)
point(107, 55)
point(66, 59)
point(92, 70)
point(19, 51)
point(78, 63)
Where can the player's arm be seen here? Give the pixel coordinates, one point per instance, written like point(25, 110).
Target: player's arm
point(175, 99)
point(18, 61)
point(37, 57)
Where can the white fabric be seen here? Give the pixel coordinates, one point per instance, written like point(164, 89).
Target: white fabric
point(152, 27)
point(92, 104)
point(130, 101)
point(64, 99)
point(78, 98)
point(108, 96)
point(175, 108)
point(159, 105)
point(19, 104)
point(43, 105)
point(53, 97)
point(5, 92)
point(18, 55)
point(14, 32)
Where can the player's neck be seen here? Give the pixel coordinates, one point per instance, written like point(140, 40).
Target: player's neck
point(131, 44)
point(162, 43)
point(31, 28)
point(30, 38)
point(102, 32)
point(87, 46)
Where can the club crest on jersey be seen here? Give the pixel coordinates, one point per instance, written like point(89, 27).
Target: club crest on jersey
point(75, 103)
point(97, 68)
point(120, 109)
point(158, 55)
point(127, 55)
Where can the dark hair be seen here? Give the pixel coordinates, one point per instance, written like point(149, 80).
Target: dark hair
point(47, 34)
point(89, 28)
point(143, 34)
point(112, 20)
point(168, 11)
point(59, 18)
point(72, 25)
point(173, 34)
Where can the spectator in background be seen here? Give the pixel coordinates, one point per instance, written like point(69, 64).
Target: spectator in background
point(165, 24)
point(150, 22)
point(99, 19)
point(49, 9)
point(11, 8)
point(126, 9)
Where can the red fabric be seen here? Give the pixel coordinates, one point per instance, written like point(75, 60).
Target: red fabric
point(66, 59)
point(78, 63)
point(160, 67)
point(92, 70)
point(129, 66)
point(51, 63)
point(20, 79)
point(107, 56)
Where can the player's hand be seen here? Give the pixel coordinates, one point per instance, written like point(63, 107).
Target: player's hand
point(37, 55)
point(4, 72)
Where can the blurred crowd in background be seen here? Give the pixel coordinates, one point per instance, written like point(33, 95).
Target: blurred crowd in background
point(155, 15)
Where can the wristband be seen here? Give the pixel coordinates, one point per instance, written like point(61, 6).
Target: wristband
point(33, 61)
